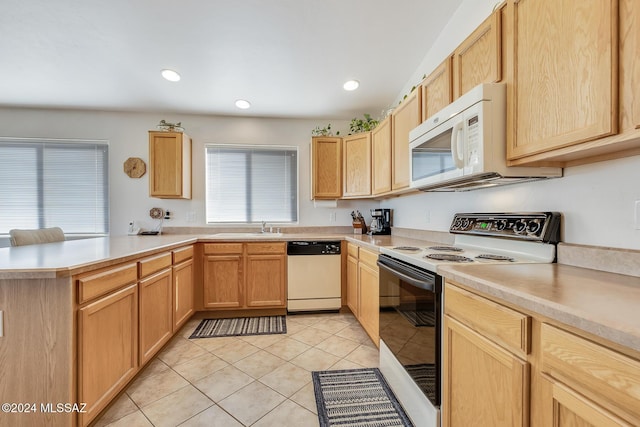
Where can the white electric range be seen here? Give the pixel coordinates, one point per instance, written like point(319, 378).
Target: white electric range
point(411, 296)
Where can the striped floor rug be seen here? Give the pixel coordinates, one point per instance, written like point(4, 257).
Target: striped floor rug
point(358, 398)
point(262, 325)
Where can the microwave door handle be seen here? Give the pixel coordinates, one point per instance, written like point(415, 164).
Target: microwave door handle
point(457, 160)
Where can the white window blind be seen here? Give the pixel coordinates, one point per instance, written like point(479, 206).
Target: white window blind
point(54, 183)
point(249, 184)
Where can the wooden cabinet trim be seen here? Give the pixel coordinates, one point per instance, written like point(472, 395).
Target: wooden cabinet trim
point(222, 248)
point(267, 248)
point(368, 257)
point(503, 325)
point(150, 265)
point(353, 250)
point(95, 284)
point(182, 254)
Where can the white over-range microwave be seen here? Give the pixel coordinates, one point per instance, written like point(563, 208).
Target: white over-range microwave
point(463, 146)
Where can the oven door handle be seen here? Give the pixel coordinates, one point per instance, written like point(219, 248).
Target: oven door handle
point(422, 284)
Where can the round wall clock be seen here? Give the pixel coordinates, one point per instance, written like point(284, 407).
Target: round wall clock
point(156, 213)
point(135, 167)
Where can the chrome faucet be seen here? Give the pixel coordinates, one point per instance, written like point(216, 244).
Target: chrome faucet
point(264, 227)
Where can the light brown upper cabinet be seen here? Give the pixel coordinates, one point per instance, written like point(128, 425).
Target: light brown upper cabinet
point(381, 157)
point(565, 82)
point(326, 167)
point(169, 165)
point(478, 59)
point(356, 165)
point(629, 66)
point(436, 90)
point(404, 118)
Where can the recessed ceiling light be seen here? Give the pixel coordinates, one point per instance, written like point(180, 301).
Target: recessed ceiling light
point(351, 85)
point(243, 104)
point(171, 75)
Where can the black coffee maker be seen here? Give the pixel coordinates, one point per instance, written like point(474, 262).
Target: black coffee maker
point(381, 222)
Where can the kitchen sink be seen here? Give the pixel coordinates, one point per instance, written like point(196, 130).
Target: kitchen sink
point(248, 235)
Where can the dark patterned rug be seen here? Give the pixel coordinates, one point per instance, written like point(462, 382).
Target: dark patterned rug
point(356, 397)
point(262, 325)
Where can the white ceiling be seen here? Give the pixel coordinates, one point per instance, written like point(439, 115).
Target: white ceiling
point(289, 58)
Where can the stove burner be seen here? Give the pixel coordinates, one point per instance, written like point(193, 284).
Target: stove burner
point(445, 248)
point(449, 257)
point(495, 257)
point(407, 248)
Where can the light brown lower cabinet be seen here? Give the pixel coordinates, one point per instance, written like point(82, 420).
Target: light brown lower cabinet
point(183, 305)
point(107, 349)
point(156, 313)
point(363, 289)
point(245, 275)
point(505, 367)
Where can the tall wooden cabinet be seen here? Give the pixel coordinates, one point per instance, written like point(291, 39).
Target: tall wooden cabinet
point(169, 165)
point(381, 147)
point(356, 165)
point(405, 117)
point(326, 167)
point(245, 275)
point(565, 88)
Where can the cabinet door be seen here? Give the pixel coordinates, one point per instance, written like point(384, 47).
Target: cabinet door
point(156, 313)
point(169, 165)
point(266, 280)
point(326, 167)
point(477, 60)
point(107, 349)
point(436, 90)
point(356, 165)
point(570, 409)
point(223, 281)
point(353, 297)
point(381, 157)
point(565, 75)
point(182, 293)
point(483, 384)
point(629, 65)
point(369, 300)
point(405, 117)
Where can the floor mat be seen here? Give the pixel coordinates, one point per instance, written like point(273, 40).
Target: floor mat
point(356, 397)
point(263, 325)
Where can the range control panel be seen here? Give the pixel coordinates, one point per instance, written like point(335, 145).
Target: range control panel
point(535, 226)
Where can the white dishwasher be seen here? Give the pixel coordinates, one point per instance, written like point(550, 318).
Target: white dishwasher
point(313, 275)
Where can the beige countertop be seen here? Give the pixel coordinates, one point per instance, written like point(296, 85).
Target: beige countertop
point(604, 304)
point(75, 256)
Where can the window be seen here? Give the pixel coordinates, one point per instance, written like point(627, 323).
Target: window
point(54, 183)
point(249, 184)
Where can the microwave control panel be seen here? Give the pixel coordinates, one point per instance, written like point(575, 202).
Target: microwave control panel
point(536, 226)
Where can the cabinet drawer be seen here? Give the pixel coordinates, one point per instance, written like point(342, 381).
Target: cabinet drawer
point(503, 325)
point(352, 250)
point(155, 263)
point(182, 254)
point(95, 284)
point(368, 257)
point(576, 361)
point(223, 248)
point(266, 248)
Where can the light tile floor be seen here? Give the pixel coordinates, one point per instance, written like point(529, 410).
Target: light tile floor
point(258, 381)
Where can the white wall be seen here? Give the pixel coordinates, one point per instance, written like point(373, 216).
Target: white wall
point(597, 200)
point(127, 135)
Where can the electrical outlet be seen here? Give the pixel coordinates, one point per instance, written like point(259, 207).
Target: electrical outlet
point(332, 217)
point(637, 215)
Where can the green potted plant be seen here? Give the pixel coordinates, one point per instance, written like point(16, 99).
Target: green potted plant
point(362, 125)
point(325, 131)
